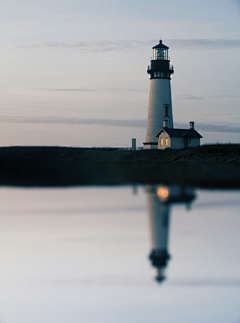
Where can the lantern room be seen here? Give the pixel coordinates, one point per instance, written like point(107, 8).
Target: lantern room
point(160, 52)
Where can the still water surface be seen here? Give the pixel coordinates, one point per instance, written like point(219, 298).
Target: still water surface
point(82, 255)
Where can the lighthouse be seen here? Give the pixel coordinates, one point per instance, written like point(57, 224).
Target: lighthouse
point(160, 101)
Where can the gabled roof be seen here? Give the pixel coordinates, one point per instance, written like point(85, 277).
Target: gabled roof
point(161, 45)
point(176, 132)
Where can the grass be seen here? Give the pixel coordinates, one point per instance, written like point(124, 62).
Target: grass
point(205, 166)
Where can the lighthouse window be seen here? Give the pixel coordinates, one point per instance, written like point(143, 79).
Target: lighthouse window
point(159, 53)
point(166, 111)
point(158, 74)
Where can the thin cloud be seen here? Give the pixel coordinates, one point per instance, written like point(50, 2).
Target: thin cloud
point(138, 123)
point(91, 90)
point(204, 44)
point(124, 90)
point(220, 96)
point(75, 121)
point(212, 127)
point(219, 128)
point(187, 97)
point(103, 46)
point(127, 45)
point(69, 90)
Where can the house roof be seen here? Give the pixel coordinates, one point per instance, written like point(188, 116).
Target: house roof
point(176, 132)
point(161, 45)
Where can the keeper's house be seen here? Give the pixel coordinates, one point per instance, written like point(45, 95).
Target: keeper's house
point(178, 138)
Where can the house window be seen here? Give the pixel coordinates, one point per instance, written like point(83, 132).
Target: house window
point(161, 141)
point(166, 141)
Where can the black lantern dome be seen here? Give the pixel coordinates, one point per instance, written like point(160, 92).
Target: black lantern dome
point(159, 66)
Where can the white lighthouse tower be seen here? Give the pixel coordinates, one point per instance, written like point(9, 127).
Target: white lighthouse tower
point(160, 101)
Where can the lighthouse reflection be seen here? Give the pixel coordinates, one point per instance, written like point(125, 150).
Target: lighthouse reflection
point(159, 200)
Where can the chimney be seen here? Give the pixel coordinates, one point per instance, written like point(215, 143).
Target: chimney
point(165, 123)
point(191, 124)
point(133, 143)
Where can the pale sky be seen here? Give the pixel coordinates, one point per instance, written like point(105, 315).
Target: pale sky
point(74, 72)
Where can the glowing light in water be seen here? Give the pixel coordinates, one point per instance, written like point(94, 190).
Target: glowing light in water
point(163, 192)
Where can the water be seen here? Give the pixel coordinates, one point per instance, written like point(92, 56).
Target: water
point(82, 255)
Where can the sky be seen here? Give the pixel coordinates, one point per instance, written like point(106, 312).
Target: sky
point(73, 73)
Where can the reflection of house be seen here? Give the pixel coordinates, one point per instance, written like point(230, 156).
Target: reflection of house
point(178, 138)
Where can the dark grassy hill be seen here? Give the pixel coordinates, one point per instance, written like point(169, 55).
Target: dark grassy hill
point(205, 166)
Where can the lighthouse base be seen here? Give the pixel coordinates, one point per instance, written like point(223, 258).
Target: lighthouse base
point(150, 145)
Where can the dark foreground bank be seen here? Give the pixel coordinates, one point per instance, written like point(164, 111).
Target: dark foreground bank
point(212, 166)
